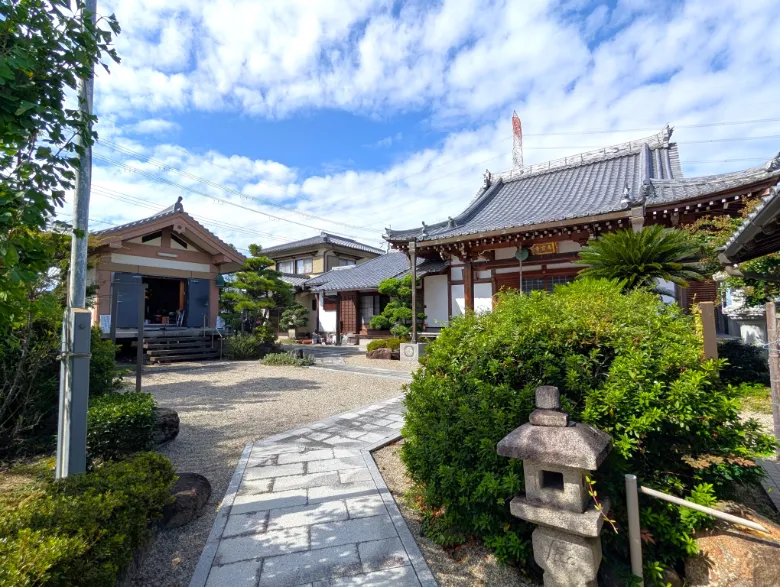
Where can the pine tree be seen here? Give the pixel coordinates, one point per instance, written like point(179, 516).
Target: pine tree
point(254, 292)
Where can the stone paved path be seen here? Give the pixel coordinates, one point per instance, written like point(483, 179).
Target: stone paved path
point(772, 480)
point(308, 508)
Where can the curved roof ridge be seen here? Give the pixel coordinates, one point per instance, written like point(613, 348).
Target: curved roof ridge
point(659, 140)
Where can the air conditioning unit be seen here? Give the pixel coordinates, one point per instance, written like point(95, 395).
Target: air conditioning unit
point(412, 351)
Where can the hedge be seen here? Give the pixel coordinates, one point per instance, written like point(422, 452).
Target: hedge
point(286, 359)
point(83, 530)
point(625, 363)
point(745, 363)
point(119, 424)
point(385, 343)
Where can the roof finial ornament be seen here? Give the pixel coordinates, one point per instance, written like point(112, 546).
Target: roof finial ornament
point(424, 231)
point(450, 222)
point(773, 164)
point(627, 200)
point(178, 206)
point(648, 189)
point(666, 134)
point(488, 179)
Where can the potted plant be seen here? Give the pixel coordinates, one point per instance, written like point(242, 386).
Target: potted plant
point(294, 317)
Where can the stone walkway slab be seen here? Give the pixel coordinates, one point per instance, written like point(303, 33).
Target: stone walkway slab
point(309, 508)
point(771, 482)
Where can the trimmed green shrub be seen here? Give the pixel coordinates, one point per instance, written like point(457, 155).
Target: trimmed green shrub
point(119, 424)
point(243, 346)
point(625, 363)
point(104, 377)
point(385, 343)
point(277, 359)
point(83, 530)
point(745, 363)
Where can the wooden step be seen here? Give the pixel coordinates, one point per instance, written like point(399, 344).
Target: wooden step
point(178, 345)
point(169, 352)
point(179, 358)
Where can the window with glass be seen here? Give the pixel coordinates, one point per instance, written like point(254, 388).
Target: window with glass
point(346, 262)
point(554, 280)
point(532, 284)
point(303, 266)
point(369, 307)
point(285, 267)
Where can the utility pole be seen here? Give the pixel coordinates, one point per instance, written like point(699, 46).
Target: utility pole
point(74, 369)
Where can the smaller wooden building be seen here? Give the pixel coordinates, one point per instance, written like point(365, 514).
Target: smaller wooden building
point(177, 258)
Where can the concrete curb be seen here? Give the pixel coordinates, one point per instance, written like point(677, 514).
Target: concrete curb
point(206, 560)
point(420, 566)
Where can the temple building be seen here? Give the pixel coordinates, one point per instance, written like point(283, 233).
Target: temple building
point(524, 228)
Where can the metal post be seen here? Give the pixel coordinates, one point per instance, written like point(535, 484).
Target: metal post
point(139, 355)
point(774, 366)
point(74, 371)
point(413, 261)
point(634, 537)
point(74, 376)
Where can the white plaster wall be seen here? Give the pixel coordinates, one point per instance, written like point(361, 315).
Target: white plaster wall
point(666, 285)
point(457, 273)
point(327, 320)
point(569, 247)
point(458, 300)
point(507, 253)
point(436, 300)
point(483, 297)
point(484, 274)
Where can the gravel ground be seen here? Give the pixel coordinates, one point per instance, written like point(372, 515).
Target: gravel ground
point(364, 361)
point(222, 407)
point(464, 566)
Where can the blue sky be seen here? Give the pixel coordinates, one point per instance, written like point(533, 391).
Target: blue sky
point(280, 118)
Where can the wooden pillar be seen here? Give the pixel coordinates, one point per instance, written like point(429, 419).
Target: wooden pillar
point(468, 284)
point(774, 366)
point(338, 318)
point(707, 313)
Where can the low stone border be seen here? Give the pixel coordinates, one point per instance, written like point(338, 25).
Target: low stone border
point(421, 569)
point(202, 570)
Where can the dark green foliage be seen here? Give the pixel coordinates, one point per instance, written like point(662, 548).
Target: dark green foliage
point(243, 346)
point(745, 363)
point(397, 314)
point(625, 363)
point(640, 258)
point(254, 292)
point(385, 343)
point(119, 424)
point(104, 377)
point(278, 359)
point(45, 48)
point(295, 316)
point(83, 530)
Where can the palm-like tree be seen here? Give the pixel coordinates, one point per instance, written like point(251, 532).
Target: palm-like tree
point(641, 258)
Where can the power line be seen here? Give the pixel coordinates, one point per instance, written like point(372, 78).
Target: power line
point(211, 196)
point(114, 194)
point(165, 167)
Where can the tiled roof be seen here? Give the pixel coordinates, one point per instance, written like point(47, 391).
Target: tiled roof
point(589, 184)
point(368, 275)
point(746, 242)
point(167, 212)
point(294, 280)
point(170, 211)
point(322, 239)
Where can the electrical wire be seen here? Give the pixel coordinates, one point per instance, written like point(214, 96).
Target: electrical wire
point(211, 196)
point(165, 167)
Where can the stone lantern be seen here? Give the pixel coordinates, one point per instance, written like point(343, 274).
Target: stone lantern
point(557, 454)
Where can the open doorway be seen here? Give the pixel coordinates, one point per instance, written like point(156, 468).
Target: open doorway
point(164, 300)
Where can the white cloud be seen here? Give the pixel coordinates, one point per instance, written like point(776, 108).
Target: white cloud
point(468, 62)
point(154, 126)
